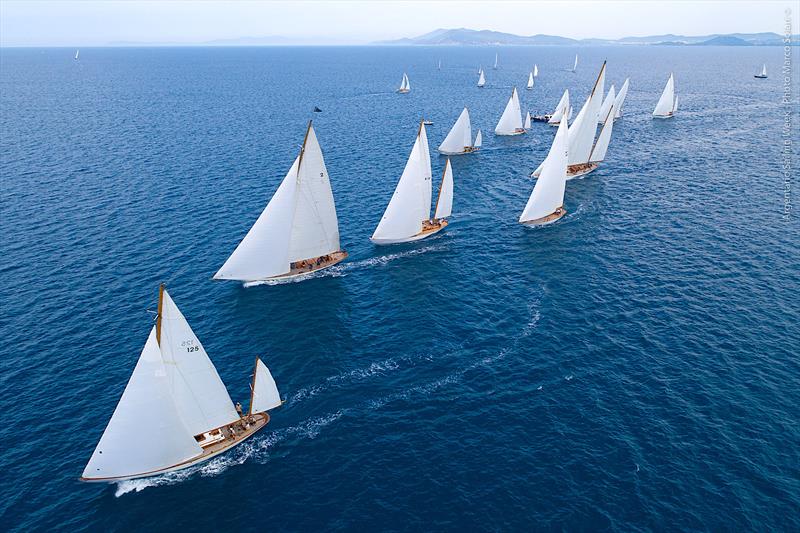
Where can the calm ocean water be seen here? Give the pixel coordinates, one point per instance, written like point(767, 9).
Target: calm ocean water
point(633, 367)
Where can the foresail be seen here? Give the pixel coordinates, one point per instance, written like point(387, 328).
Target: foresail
point(583, 129)
point(265, 392)
point(561, 108)
point(623, 92)
point(607, 103)
point(145, 433)
point(444, 205)
point(315, 227)
point(601, 146)
point(478, 139)
point(201, 399)
point(264, 251)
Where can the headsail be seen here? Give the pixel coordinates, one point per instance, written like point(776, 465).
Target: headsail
point(145, 409)
point(561, 108)
point(583, 129)
point(444, 204)
point(478, 140)
point(459, 137)
point(623, 92)
point(511, 120)
point(527, 124)
point(263, 391)
point(607, 103)
point(548, 193)
point(601, 146)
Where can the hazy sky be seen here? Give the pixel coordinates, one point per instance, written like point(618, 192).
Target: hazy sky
point(87, 23)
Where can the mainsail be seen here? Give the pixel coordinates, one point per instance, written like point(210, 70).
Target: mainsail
point(583, 129)
point(460, 136)
point(511, 121)
point(607, 103)
point(298, 223)
point(561, 109)
point(548, 193)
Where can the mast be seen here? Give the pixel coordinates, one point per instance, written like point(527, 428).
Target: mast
point(253, 387)
point(303, 148)
point(158, 316)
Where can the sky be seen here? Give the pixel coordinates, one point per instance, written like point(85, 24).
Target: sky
point(100, 23)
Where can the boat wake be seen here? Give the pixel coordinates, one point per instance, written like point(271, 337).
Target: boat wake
point(385, 259)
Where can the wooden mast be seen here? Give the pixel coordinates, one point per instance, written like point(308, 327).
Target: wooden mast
point(158, 316)
point(253, 386)
point(303, 149)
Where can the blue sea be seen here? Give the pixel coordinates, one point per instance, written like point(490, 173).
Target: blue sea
point(633, 367)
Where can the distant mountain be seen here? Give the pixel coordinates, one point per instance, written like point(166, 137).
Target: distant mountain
point(465, 36)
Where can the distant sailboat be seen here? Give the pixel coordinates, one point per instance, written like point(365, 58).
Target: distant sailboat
point(175, 411)
point(762, 75)
point(535, 71)
point(623, 92)
point(481, 79)
point(459, 139)
point(495, 62)
point(607, 103)
point(546, 203)
point(527, 124)
point(530, 81)
point(582, 132)
point(668, 103)
point(511, 121)
point(405, 85)
point(575, 66)
point(78, 52)
point(478, 140)
point(439, 67)
point(298, 231)
point(408, 216)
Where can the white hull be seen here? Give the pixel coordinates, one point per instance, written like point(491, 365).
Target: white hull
point(664, 116)
point(417, 237)
point(459, 153)
point(510, 134)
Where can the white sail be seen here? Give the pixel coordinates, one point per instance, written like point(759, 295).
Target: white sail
point(478, 140)
point(404, 214)
point(763, 68)
point(666, 102)
point(265, 394)
point(511, 120)
point(264, 251)
point(675, 105)
point(569, 115)
point(459, 137)
point(78, 52)
point(575, 66)
point(623, 92)
point(444, 204)
point(315, 227)
point(535, 71)
point(530, 80)
point(405, 85)
point(527, 124)
point(561, 108)
point(145, 433)
point(481, 79)
point(440, 65)
point(583, 129)
point(601, 146)
point(427, 176)
point(200, 396)
point(548, 193)
point(495, 61)
point(607, 103)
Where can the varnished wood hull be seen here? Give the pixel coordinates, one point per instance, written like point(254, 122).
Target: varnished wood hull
point(336, 258)
point(418, 237)
point(213, 450)
point(543, 221)
point(576, 171)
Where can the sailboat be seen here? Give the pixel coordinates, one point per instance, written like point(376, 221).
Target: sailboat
point(546, 203)
point(611, 97)
point(511, 121)
point(175, 411)
point(459, 139)
point(575, 66)
point(495, 62)
point(623, 92)
point(408, 216)
point(298, 231)
point(562, 110)
point(481, 79)
point(405, 85)
point(527, 124)
point(535, 71)
point(668, 103)
point(77, 53)
point(439, 67)
point(582, 132)
point(530, 81)
point(762, 75)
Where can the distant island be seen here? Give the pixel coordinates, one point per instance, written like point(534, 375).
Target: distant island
point(465, 36)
